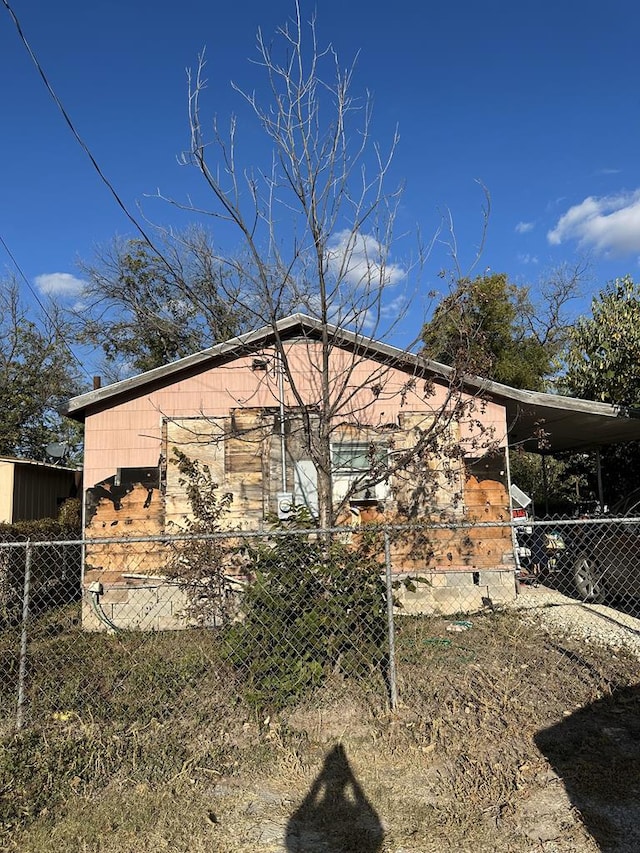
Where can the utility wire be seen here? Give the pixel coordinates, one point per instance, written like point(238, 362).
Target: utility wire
point(42, 307)
point(80, 141)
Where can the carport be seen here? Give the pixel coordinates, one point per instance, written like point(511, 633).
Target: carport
point(545, 423)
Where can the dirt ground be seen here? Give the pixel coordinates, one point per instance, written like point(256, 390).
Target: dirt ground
point(512, 736)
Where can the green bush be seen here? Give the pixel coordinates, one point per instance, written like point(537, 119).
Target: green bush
point(313, 609)
point(55, 566)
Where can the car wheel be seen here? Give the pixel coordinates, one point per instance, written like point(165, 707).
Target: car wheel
point(588, 585)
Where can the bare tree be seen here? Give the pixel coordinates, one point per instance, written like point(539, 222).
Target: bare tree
point(316, 231)
point(550, 319)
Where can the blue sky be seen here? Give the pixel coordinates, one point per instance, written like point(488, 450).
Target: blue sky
point(539, 101)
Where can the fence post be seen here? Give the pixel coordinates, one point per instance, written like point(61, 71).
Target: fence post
point(393, 687)
point(22, 668)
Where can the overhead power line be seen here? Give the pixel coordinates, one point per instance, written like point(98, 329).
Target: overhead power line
point(79, 139)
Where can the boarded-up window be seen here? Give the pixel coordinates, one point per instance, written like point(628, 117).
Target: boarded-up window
point(201, 439)
point(233, 448)
point(244, 447)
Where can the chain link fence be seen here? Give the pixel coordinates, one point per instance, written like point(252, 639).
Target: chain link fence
point(581, 575)
point(155, 689)
point(106, 626)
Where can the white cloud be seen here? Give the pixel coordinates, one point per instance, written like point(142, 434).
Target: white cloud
point(525, 227)
point(528, 259)
point(393, 309)
point(555, 203)
point(608, 224)
point(359, 259)
point(60, 284)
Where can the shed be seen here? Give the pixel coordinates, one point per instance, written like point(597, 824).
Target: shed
point(31, 490)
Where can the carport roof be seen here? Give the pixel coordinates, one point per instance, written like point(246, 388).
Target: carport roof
point(549, 423)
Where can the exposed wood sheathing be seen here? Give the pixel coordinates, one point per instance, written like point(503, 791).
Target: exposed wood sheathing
point(233, 448)
point(131, 509)
point(245, 451)
point(433, 481)
point(199, 439)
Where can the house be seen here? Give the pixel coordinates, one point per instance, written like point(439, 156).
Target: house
point(409, 442)
point(31, 490)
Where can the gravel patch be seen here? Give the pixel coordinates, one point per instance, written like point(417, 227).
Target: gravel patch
point(599, 624)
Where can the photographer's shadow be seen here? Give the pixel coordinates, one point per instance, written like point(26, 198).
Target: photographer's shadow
point(335, 816)
point(596, 753)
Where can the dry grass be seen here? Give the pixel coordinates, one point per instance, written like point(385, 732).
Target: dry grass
point(155, 751)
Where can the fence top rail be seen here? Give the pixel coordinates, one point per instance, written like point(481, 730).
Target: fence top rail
point(372, 529)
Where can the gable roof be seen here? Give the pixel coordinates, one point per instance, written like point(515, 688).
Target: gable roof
point(289, 328)
point(569, 423)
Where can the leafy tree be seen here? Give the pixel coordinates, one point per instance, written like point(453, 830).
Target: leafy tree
point(567, 487)
point(37, 376)
point(503, 334)
point(603, 361)
point(146, 308)
point(521, 343)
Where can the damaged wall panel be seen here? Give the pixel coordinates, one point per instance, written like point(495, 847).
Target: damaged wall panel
point(119, 507)
point(233, 448)
point(245, 451)
point(433, 482)
point(200, 439)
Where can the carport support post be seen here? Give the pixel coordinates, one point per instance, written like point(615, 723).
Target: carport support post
point(22, 666)
point(393, 687)
point(599, 473)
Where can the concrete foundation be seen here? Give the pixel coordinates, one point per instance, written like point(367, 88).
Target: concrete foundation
point(450, 593)
point(135, 604)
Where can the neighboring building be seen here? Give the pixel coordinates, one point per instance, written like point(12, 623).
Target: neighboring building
point(230, 407)
point(31, 490)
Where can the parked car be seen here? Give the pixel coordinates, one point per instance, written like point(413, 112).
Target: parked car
point(605, 555)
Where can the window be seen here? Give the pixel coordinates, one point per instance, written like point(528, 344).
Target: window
point(353, 460)
point(358, 456)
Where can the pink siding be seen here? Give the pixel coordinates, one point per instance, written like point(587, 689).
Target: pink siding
point(129, 434)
